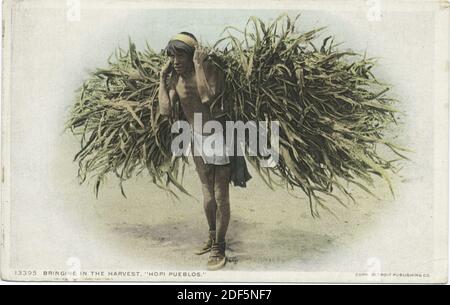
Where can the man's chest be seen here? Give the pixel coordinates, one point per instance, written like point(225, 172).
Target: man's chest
point(187, 88)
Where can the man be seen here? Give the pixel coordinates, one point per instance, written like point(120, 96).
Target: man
point(195, 82)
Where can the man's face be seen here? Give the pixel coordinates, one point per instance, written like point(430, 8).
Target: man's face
point(182, 62)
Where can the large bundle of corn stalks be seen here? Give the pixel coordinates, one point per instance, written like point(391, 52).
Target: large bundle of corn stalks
point(331, 110)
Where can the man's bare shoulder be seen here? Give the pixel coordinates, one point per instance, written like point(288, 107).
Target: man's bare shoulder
point(211, 68)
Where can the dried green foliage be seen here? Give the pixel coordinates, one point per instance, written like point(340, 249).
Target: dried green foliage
point(121, 130)
point(331, 109)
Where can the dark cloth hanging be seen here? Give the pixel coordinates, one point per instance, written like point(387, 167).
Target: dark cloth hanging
point(239, 171)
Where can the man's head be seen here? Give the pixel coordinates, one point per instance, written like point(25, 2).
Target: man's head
point(181, 49)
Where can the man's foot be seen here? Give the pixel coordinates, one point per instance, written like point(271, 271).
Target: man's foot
point(217, 258)
point(208, 244)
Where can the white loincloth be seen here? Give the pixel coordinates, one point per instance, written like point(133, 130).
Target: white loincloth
point(218, 155)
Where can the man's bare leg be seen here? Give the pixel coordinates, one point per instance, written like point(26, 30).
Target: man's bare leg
point(222, 197)
point(217, 258)
point(215, 181)
point(206, 175)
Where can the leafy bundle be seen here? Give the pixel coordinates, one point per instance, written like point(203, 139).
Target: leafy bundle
point(332, 112)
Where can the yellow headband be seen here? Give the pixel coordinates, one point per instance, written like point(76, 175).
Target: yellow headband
point(186, 39)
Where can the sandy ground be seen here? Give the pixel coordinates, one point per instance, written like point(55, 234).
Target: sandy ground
point(269, 230)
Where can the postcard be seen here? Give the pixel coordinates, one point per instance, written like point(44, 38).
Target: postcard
point(225, 141)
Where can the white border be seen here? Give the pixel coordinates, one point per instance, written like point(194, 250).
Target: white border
point(441, 103)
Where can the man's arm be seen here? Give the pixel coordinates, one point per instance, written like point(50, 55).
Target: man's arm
point(209, 79)
point(166, 93)
point(164, 100)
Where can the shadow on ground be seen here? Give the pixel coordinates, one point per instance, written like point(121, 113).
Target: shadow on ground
point(249, 245)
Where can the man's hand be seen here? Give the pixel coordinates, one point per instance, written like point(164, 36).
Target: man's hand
point(200, 55)
point(165, 70)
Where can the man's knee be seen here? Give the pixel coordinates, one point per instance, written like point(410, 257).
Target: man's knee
point(209, 199)
point(222, 198)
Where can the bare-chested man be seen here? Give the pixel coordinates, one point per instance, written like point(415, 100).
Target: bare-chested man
point(195, 82)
